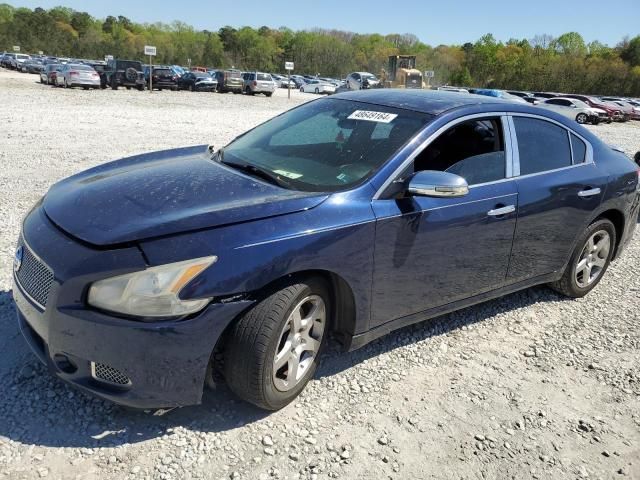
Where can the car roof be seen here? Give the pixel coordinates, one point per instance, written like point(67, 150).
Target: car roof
point(433, 102)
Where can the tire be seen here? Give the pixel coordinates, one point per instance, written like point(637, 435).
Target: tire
point(268, 94)
point(577, 282)
point(596, 121)
point(248, 91)
point(140, 88)
point(114, 84)
point(582, 118)
point(317, 91)
point(191, 88)
point(128, 88)
point(264, 331)
point(302, 89)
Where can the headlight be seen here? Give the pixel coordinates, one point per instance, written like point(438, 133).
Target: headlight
point(153, 292)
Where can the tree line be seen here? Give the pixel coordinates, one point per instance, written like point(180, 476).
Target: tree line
point(563, 64)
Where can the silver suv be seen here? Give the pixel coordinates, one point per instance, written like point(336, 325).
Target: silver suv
point(258, 82)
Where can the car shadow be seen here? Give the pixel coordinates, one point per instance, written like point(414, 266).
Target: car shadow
point(39, 409)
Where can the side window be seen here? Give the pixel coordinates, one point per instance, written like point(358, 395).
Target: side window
point(473, 149)
point(542, 145)
point(579, 149)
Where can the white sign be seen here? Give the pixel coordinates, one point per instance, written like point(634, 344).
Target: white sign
point(288, 65)
point(429, 74)
point(108, 57)
point(150, 50)
point(369, 116)
point(16, 48)
point(40, 52)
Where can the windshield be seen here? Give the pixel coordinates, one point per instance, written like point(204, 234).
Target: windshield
point(326, 145)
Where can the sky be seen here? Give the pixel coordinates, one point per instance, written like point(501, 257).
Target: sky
point(434, 22)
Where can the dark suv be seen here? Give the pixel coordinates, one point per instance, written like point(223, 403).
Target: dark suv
point(228, 80)
point(163, 77)
point(123, 73)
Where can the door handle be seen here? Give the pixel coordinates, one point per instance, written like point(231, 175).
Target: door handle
point(497, 212)
point(589, 193)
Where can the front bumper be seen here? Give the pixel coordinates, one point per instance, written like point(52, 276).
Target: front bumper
point(206, 87)
point(164, 363)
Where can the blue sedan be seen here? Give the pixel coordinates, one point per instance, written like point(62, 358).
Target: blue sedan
point(145, 279)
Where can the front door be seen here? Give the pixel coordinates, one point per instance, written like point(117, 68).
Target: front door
point(431, 251)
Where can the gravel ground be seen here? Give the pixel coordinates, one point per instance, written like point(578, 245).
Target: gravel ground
point(528, 386)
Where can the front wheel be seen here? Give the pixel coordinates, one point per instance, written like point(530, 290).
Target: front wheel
point(589, 260)
point(273, 350)
point(582, 118)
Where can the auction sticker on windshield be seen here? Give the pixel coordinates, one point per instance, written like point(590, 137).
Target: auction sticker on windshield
point(381, 117)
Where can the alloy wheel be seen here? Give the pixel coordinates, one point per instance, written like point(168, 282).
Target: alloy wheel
point(593, 258)
point(299, 343)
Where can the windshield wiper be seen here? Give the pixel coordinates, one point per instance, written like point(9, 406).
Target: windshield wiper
point(255, 171)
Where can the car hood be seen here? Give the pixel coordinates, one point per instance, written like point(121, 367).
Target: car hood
point(164, 193)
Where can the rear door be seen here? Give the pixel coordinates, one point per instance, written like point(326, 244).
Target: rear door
point(559, 186)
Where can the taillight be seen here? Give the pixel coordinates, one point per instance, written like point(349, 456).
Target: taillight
point(73, 73)
point(255, 84)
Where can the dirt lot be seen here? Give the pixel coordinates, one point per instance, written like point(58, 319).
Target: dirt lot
point(528, 386)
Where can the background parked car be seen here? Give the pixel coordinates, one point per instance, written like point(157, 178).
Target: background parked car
point(123, 73)
point(163, 77)
point(575, 109)
point(34, 65)
point(48, 74)
point(71, 75)
point(628, 110)
point(362, 81)
point(319, 87)
point(613, 113)
point(197, 82)
point(17, 60)
point(258, 82)
point(229, 81)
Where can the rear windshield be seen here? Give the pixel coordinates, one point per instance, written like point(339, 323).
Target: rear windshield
point(81, 67)
point(202, 75)
point(233, 74)
point(264, 76)
point(326, 145)
point(164, 71)
point(22, 56)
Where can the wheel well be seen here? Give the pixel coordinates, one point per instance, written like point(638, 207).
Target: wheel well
point(617, 218)
point(343, 317)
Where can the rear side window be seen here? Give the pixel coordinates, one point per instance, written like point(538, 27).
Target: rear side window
point(579, 149)
point(542, 145)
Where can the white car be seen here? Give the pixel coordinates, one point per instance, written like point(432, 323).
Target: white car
point(575, 109)
point(18, 60)
point(361, 80)
point(319, 87)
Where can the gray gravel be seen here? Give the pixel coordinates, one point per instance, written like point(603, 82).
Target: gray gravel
point(528, 386)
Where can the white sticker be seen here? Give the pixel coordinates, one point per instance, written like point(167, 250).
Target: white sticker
point(290, 175)
point(380, 117)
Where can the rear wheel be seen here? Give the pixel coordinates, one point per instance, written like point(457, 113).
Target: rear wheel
point(582, 118)
point(272, 351)
point(268, 94)
point(317, 91)
point(589, 260)
point(114, 84)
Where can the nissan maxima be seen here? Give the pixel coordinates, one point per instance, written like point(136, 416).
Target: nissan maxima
point(143, 280)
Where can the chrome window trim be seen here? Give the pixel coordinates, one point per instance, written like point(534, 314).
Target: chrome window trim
point(420, 148)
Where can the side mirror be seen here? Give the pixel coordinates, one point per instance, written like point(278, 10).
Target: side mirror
point(431, 183)
point(636, 158)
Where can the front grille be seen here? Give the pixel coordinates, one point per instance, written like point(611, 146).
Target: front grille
point(34, 276)
point(108, 374)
